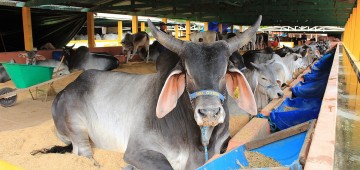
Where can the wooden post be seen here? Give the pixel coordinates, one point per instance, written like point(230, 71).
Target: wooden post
point(176, 31)
point(240, 28)
point(206, 26)
point(188, 30)
point(220, 27)
point(134, 24)
point(28, 39)
point(357, 51)
point(90, 29)
point(232, 28)
point(120, 32)
point(164, 20)
point(142, 26)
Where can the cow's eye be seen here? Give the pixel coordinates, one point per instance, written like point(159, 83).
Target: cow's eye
point(264, 78)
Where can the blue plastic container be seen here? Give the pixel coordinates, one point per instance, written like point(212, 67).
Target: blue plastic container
point(285, 151)
point(57, 55)
point(306, 109)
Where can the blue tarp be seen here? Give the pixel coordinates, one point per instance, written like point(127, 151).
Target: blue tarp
point(310, 89)
point(306, 109)
point(324, 64)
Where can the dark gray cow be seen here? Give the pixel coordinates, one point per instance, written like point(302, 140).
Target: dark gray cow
point(82, 59)
point(154, 52)
point(4, 76)
point(157, 127)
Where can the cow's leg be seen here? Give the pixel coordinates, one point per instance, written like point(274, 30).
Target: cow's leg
point(148, 51)
point(80, 140)
point(146, 159)
point(134, 51)
point(128, 56)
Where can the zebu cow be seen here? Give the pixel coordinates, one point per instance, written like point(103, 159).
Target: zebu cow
point(125, 117)
point(263, 82)
point(257, 57)
point(4, 76)
point(294, 63)
point(207, 36)
point(33, 59)
point(154, 51)
point(82, 59)
point(285, 50)
point(63, 68)
point(134, 42)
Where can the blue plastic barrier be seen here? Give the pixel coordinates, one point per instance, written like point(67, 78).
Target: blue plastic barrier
point(306, 109)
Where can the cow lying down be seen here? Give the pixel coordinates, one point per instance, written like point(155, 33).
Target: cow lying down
point(157, 127)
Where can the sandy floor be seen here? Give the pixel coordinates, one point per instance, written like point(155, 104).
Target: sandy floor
point(28, 126)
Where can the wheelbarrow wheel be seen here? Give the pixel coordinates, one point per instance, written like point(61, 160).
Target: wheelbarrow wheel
point(7, 102)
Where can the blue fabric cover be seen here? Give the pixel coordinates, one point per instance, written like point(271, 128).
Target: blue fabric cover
point(310, 89)
point(307, 109)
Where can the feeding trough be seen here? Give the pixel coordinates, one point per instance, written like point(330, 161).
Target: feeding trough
point(288, 148)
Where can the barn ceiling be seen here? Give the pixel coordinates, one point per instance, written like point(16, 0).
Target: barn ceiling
point(241, 12)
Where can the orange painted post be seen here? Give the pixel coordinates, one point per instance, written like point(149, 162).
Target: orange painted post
point(357, 36)
point(206, 26)
point(353, 20)
point(241, 28)
point(164, 20)
point(188, 30)
point(27, 28)
point(142, 26)
point(134, 24)
point(176, 31)
point(90, 29)
point(220, 27)
point(120, 32)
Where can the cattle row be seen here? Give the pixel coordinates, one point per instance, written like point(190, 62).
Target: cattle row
point(172, 118)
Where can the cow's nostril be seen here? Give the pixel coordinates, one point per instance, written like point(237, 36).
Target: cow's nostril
point(217, 112)
point(280, 94)
point(201, 112)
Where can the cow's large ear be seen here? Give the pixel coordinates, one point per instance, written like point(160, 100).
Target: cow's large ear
point(239, 89)
point(173, 88)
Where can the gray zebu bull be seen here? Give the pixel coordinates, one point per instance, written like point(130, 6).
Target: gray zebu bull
point(82, 59)
point(121, 119)
point(207, 36)
point(134, 42)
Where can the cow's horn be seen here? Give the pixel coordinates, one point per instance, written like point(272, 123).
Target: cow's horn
point(171, 43)
point(240, 40)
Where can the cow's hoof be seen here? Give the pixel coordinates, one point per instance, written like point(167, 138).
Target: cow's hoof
point(130, 167)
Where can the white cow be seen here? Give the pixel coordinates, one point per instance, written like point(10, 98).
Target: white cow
point(207, 36)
